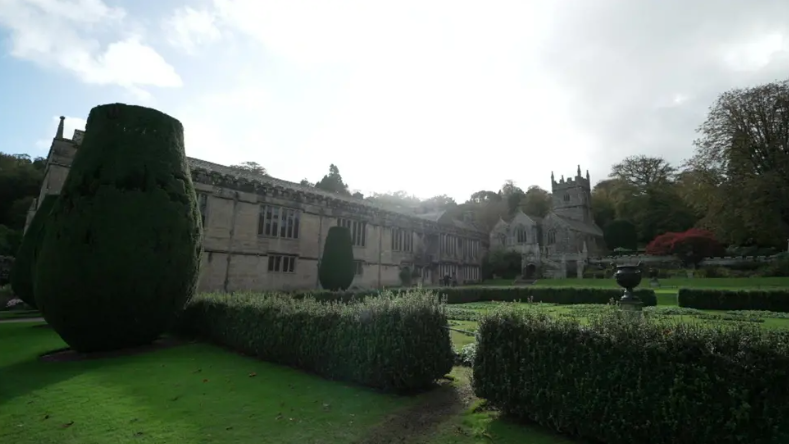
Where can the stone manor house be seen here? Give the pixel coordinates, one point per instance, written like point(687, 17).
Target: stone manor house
point(262, 233)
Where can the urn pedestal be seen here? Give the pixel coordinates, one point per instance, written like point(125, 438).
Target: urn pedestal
point(628, 277)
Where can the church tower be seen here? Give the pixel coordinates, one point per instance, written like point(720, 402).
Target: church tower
point(572, 198)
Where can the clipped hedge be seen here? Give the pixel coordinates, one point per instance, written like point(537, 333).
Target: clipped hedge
point(710, 299)
point(465, 295)
point(621, 382)
point(391, 342)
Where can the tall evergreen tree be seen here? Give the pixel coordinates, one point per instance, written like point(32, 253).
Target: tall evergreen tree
point(121, 252)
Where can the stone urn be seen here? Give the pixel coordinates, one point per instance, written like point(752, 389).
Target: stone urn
point(628, 277)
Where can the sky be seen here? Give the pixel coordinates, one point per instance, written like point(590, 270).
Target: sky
point(426, 96)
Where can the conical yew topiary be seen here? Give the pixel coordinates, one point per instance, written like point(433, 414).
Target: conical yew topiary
point(22, 270)
point(121, 252)
point(337, 267)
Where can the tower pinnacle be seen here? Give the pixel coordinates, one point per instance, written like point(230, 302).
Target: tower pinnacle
point(59, 133)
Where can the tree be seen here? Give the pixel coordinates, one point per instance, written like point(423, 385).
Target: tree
point(20, 182)
point(484, 196)
point(337, 268)
point(643, 172)
point(690, 247)
point(22, 272)
point(306, 183)
point(332, 182)
point(536, 202)
point(694, 245)
point(620, 234)
point(120, 254)
point(606, 197)
point(742, 154)
point(251, 167)
point(397, 199)
point(438, 203)
point(512, 194)
point(9, 241)
point(503, 263)
point(643, 190)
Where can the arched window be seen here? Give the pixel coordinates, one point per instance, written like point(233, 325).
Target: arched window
point(566, 197)
point(522, 235)
point(551, 237)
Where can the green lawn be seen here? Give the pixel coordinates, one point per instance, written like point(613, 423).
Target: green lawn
point(19, 314)
point(667, 310)
point(665, 284)
point(189, 394)
point(197, 393)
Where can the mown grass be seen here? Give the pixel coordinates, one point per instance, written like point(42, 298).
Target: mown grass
point(666, 310)
point(197, 393)
point(19, 314)
point(478, 425)
point(665, 284)
point(193, 393)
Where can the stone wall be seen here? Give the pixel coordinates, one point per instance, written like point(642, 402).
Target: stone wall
point(236, 255)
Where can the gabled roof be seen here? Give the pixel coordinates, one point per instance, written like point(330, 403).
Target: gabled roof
point(433, 217)
point(578, 225)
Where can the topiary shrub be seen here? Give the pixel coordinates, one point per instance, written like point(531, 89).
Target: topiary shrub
point(337, 268)
point(22, 270)
point(120, 254)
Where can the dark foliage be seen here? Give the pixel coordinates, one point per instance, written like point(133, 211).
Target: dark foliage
point(620, 234)
point(337, 269)
point(391, 342)
point(624, 382)
point(22, 271)
point(121, 252)
point(711, 299)
point(464, 295)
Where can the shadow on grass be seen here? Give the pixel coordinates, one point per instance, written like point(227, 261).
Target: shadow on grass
point(22, 371)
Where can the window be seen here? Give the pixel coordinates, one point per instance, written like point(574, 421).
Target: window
point(359, 268)
point(449, 244)
point(551, 237)
point(202, 204)
point(278, 222)
point(448, 270)
point(566, 197)
point(402, 240)
point(280, 263)
point(522, 235)
point(358, 230)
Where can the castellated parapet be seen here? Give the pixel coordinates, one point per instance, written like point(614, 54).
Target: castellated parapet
point(572, 182)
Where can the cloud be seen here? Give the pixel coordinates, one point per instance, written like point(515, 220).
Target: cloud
point(68, 35)
point(188, 28)
point(642, 74)
point(237, 134)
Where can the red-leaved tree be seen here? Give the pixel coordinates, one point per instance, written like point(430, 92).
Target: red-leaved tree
point(690, 247)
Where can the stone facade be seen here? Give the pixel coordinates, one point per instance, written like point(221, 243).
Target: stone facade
point(559, 245)
point(262, 233)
